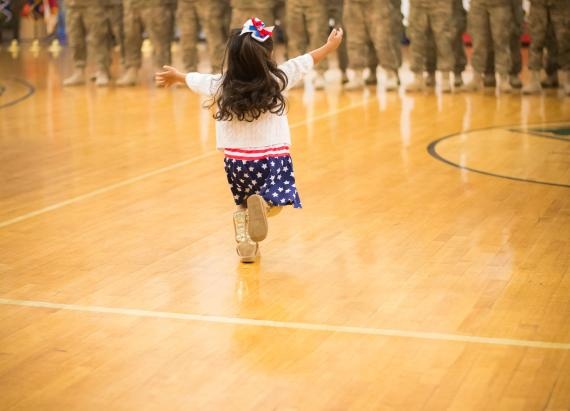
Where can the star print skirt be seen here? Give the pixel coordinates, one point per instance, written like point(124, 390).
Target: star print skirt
point(265, 171)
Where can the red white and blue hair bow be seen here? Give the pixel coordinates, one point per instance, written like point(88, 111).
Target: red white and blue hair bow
point(257, 29)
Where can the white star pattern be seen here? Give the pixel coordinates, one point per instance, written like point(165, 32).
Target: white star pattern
point(272, 178)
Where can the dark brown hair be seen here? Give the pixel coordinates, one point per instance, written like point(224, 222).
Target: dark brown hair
point(252, 84)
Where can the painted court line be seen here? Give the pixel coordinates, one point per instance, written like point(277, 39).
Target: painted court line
point(162, 170)
point(213, 319)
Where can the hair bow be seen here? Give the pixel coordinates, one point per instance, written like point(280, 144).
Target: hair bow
point(257, 29)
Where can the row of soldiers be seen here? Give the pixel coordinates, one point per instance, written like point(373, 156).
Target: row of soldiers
point(374, 31)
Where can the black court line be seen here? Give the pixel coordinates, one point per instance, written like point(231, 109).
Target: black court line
point(29, 93)
point(431, 149)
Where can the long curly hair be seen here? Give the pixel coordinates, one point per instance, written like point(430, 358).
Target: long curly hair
point(252, 84)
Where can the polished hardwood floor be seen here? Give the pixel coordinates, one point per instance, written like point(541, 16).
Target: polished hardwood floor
point(429, 268)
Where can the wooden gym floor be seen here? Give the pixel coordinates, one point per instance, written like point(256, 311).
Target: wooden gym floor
point(414, 277)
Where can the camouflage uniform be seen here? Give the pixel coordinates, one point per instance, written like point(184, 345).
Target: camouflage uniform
point(116, 34)
point(335, 13)
point(375, 22)
point(460, 24)
point(426, 17)
point(308, 27)
point(551, 46)
point(491, 21)
point(156, 17)
point(542, 14)
point(85, 23)
point(208, 14)
point(514, 43)
point(246, 9)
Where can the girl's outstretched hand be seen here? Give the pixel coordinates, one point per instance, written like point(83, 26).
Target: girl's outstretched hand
point(168, 77)
point(335, 38)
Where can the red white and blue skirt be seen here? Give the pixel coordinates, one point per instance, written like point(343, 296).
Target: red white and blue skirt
point(267, 171)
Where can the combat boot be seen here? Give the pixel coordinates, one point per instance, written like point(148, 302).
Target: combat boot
point(319, 81)
point(550, 81)
point(475, 83)
point(372, 79)
point(430, 79)
point(533, 86)
point(392, 81)
point(457, 80)
point(489, 80)
point(128, 79)
point(76, 79)
point(504, 85)
point(102, 79)
point(343, 77)
point(566, 82)
point(246, 249)
point(355, 83)
point(417, 84)
point(257, 227)
point(515, 81)
point(445, 82)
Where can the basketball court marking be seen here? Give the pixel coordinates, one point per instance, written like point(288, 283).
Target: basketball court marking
point(162, 170)
point(31, 90)
point(432, 150)
point(213, 319)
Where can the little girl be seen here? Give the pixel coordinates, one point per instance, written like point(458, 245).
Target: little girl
point(251, 125)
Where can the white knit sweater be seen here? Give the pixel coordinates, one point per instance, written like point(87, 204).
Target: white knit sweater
point(269, 129)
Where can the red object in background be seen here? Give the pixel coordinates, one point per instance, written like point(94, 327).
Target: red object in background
point(37, 8)
point(525, 37)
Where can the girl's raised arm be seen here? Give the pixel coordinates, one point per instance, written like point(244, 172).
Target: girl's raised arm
point(169, 76)
point(331, 45)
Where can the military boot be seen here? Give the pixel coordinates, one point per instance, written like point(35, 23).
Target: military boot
point(129, 78)
point(504, 83)
point(475, 83)
point(417, 84)
point(392, 81)
point(445, 84)
point(77, 78)
point(533, 86)
point(356, 82)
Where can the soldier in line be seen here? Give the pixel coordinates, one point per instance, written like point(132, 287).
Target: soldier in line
point(156, 17)
point(551, 65)
point(438, 18)
point(115, 33)
point(208, 14)
point(242, 10)
point(307, 22)
point(377, 22)
point(491, 21)
point(335, 13)
point(489, 79)
point(460, 23)
point(87, 28)
point(542, 14)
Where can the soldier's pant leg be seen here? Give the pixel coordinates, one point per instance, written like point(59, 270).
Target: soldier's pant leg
point(430, 52)
point(188, 27)
point(216, 36)
point(317, 28)
point(356, 35)
point(419, 40)
point(560, 16)
point(537, 24)
point(501, 28)
point(441, 21)
point(241, 15)
point(158, 23)
point(76, 34)
point(388, 54)
point(117, 35)
point(133, 26)
point(478, 21)
point(551, 65)
point(515, 41)
point(460, 18)
point(297, 33)
point(95, 18)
